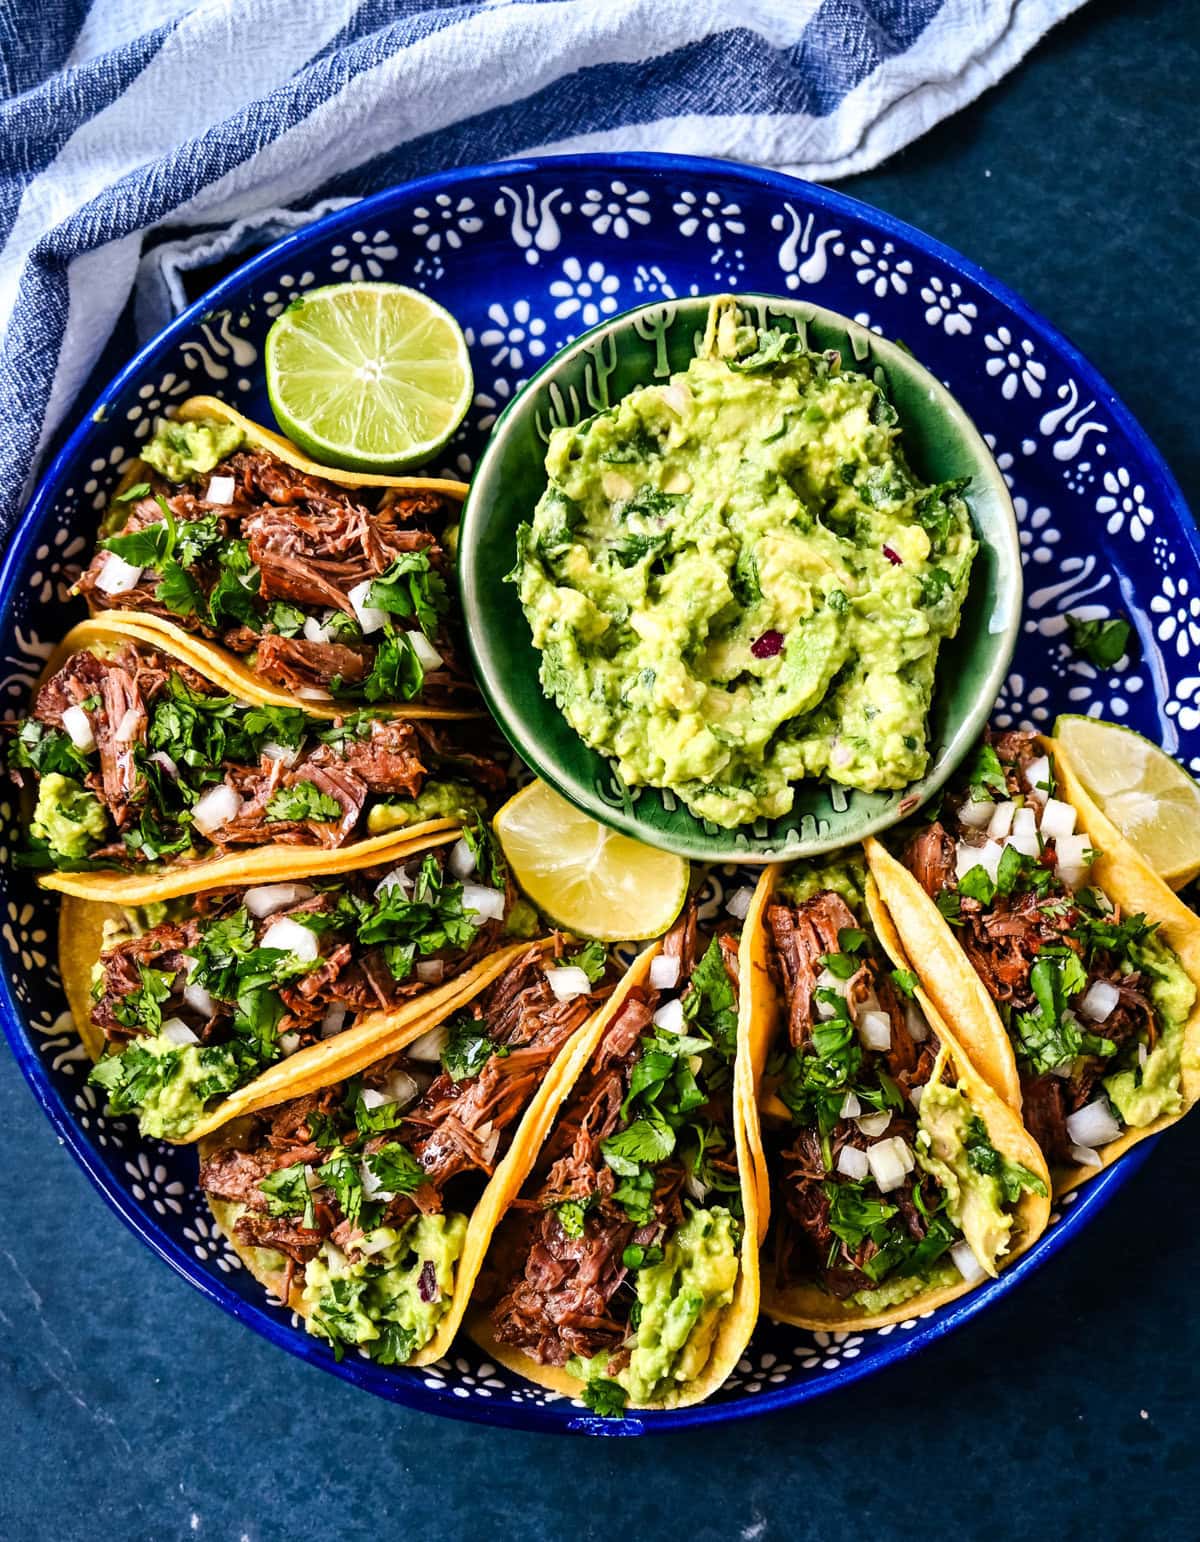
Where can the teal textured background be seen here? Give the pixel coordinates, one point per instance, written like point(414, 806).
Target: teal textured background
point(132, 1409)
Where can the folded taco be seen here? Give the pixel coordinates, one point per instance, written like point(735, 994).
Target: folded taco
point(368, 1203)
point(146, 779)
point(200, 1009)
point(897, 1178)
point(1069, 969)
point(322, 583)
point(627, 1270)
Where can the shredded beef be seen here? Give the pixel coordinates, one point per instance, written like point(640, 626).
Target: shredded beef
point(298, 665)
point(930, 858)
point(802, 935)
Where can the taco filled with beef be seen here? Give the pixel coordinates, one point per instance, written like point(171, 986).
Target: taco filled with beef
point(325, 584)
point(199, 1009)
point(627, 1270)
point(897, 1178)
point(1069, 969)
point(145, 779)
point(367, 1204)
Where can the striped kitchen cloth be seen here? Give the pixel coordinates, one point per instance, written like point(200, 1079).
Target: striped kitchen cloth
point(119, 118)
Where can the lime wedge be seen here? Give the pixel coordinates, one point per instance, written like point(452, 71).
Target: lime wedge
point(1149, 797)
point(584, 876)
point(368, 377)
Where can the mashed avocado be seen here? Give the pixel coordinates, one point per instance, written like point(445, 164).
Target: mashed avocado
point(183, 451)
point(68, 818)
point(902, 1288)
point(736, 582)
point(1143, 1094)
point(436, 800)
point(379, 1296)
point(975, 1199)
point(681, 1299)
point(169, 1092)
point(845, 875)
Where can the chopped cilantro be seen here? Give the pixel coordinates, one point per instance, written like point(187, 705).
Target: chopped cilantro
point(303, 800)
point(605, 1398)
point(1103, 640)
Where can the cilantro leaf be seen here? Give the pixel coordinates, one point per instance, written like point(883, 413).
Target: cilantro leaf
point(395, 1168)
point(288, 1193)
point(1013, 1178)
point(592, 959)
point(303, 800)
point(467, 1048)
point(905, 982)
point(411, 586)
point(648, 1139)
point(605, 1398)
point(1103, 640)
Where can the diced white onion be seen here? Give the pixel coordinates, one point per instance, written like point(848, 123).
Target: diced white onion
point(267, 898)
point(976, 813)
point(292, 938)
point(431, 970)
point(289, 1043)
point(78, 726)
point(1001, 821)
point(117, 576)
point(1086, 1157)
point(915, 1096)
point(1038, 777)
point(373, 1098)
point(966, 1263)
point(852, 1163)
point(669, 1016)
point(677, 397)
point(695, 1188)
point(372, 1188)
point(664, 972)
point(851, 1107)
point(312, 1178)
point(128, 726)
point(485, 902)
point(1058, 820)
point(1143, 1054)
point(986, 856)
point(399, 877)
point(874, 1124)
point(876, 1030)
point(178, 1032)
point(1024, 821)
point(196, 997)
point(1099, 1000)
point(1072, 858)
point(220, 490)
point(914, 1021)
point(616, 486)
point(461, 860)
point(334, 1256)
point(370, 617)
point(161, 758)
point(314, 632)
point(568, 982)
point(428, 1048)
point(1093, 1125)
point(215, 808)
point(333, 1022)
point(738, 903)
point(401, 1089)
point(491, 1144)
point(312, 693)
point(285, 754)
point(887, 1169)
point(1063, 1069)
point(1027, 845)
point(426, 653)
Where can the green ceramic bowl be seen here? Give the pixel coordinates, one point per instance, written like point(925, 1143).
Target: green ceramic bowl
point(593, 373)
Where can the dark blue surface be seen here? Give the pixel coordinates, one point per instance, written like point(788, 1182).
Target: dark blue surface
point(134, 1407)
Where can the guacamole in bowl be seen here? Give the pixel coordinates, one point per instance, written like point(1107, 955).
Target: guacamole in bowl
point(763, 577)
point(736, 582)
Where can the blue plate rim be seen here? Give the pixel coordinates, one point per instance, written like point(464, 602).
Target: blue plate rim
point(410, 1393)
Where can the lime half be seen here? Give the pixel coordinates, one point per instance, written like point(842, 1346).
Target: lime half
point(368, 377)
point(584, 876)
point(1149, 797)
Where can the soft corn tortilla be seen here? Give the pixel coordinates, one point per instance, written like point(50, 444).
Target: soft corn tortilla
point(374, 1035)
point(947, 974)
point(227, 669)
point(738, 1320)
point(809, 1305)
point(504, 1184)
point(254, 864)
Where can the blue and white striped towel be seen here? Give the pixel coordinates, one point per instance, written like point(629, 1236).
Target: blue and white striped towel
point(121, 117)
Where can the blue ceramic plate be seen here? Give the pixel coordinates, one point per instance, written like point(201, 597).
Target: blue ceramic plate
point(528, 255)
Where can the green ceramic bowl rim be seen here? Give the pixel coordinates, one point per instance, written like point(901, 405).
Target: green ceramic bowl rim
point(724, 846)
